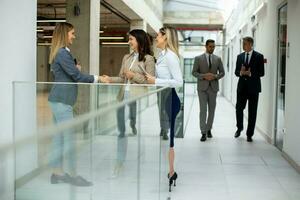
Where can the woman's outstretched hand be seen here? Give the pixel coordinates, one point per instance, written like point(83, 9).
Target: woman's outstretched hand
point(105, 79)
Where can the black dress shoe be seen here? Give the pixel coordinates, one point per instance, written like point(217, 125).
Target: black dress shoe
point(209, 135)
point(55, 179)
point(237, 133)
point(203, 138)
point(249, 139)
point(79, 181)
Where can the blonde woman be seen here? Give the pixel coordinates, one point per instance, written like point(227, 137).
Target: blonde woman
point(61, 99)
point(168, 73)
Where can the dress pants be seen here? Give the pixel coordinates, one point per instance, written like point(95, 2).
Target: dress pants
point(242, 98)
point(207, 100)
point(63, 143)
point(163, 115)
point(121, 115)
point(172, 106)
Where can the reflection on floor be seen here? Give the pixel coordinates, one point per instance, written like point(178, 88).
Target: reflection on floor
point(222, 168)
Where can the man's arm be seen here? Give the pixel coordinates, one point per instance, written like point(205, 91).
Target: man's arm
point(259, 68)
point(221, 71)
point(261, 65)
point(196, 69)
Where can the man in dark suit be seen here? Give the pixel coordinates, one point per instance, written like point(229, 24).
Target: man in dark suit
point(208, 69)
point(249, 69)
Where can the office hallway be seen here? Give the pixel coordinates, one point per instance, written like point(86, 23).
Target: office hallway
point(225, 168)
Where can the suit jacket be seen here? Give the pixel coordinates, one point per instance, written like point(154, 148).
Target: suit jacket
point(139, 78)
point(65, 70)
point(201, 67)
point(250, 84)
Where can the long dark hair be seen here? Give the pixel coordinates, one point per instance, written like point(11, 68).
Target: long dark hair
point(143, 41)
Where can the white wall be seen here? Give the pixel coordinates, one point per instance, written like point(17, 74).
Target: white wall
point(292, 138)
point(18, 62)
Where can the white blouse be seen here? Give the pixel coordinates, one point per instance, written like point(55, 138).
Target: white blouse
point(168, 72)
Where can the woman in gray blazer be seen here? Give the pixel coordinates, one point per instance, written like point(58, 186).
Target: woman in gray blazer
point(61, 99)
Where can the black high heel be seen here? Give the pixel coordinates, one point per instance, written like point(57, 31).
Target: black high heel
point(171, 179)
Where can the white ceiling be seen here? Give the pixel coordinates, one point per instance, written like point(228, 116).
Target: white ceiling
point(224, 7)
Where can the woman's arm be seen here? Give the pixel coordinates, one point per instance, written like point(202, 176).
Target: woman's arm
point(66, 61)
point(149, 68)
point(175, 71)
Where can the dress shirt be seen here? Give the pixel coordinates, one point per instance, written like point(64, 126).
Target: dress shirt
point(168, 72)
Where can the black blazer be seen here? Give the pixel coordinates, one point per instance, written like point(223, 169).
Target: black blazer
point(251, 84)
point(65, 70)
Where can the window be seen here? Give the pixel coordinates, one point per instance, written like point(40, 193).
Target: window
point(188, 69)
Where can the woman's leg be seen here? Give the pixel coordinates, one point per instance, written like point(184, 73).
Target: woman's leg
point(121, 121)
point(132, 117)
point(62, 141)
point(175, 108)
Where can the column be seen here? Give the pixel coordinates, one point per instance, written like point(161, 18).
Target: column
point(87, 27)
point(18, 63)
point(85, 47)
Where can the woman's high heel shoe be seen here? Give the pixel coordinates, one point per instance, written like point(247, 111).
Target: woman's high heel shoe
point(171, 179)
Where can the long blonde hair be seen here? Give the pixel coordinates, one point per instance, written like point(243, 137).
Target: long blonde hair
point(171, 38)
point(59, 38)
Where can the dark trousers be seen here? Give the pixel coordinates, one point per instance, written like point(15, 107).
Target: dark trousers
point(121, 117)
point(242, 98)
point(172, 106)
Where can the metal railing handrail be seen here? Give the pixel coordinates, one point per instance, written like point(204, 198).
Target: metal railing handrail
point(94, 84)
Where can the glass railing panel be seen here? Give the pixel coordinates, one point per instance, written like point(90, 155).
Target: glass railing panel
point(93, 145)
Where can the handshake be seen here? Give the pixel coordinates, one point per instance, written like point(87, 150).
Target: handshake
point(128, 75)
point(105, 79)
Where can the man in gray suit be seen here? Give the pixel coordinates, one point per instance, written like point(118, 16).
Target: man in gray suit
point(208, 69)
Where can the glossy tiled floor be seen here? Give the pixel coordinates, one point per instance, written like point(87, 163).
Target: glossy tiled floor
point(227, 168)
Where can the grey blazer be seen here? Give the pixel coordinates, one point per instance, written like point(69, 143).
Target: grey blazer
point(65, 70)
point(201, 67)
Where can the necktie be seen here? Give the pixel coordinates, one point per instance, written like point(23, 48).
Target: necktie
point(247, 60)
point(209, 62)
